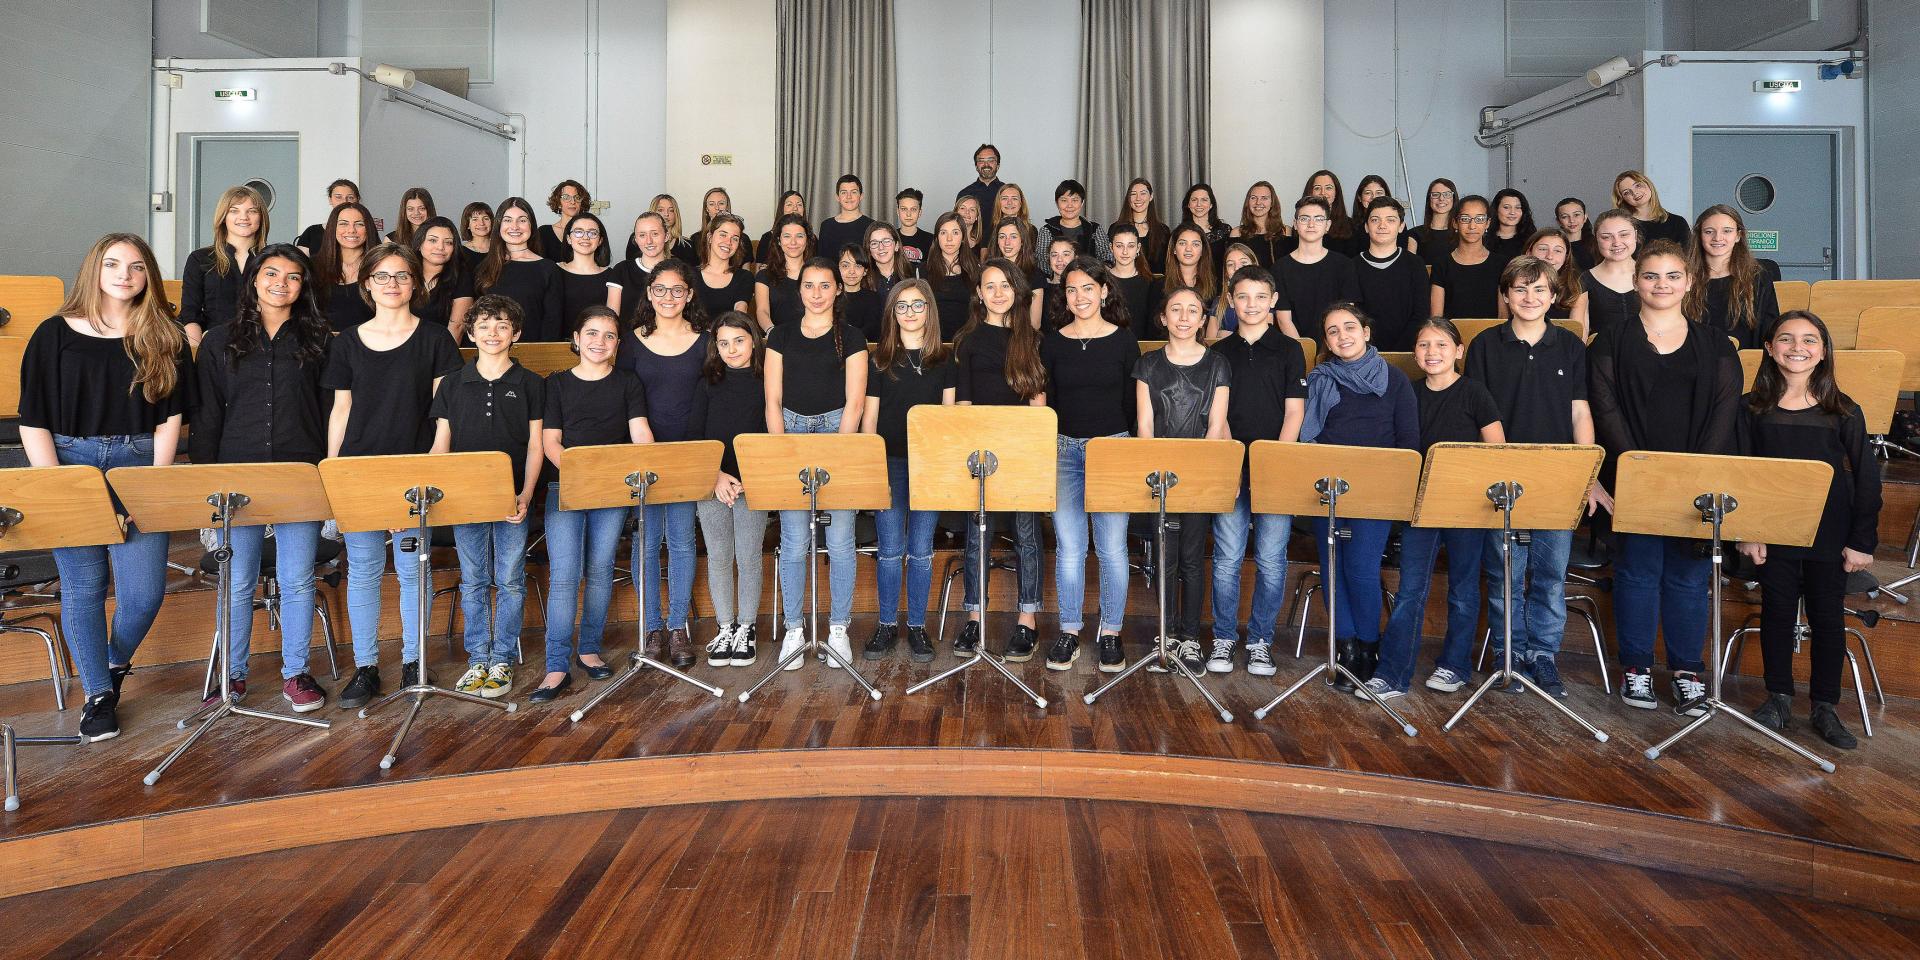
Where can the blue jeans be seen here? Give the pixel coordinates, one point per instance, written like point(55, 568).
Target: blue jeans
point(294, 548)
point(794, 560)
point(1070, 525)
point(1540, 617)
point(1660, 580)
point(580, 548)
point(1026, 555)
point(1400, 647)
point(138, 565)
point(672, 522)
point(1358, 612)
point(493, 588)
point(366, 565)
point(908, 534)
point(1269, 564)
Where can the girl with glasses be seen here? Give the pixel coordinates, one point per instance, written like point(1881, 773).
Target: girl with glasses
point(584, 276)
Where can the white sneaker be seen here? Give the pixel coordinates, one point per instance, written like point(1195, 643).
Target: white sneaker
point(720, 648)
point(1380, 689)
point(1259, 660)
point(1445, 681)
point(839, 643)
point(1221, 659)
point(794, 639)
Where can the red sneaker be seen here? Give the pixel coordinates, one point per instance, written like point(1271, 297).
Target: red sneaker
point(213, 693)
point(304, 694)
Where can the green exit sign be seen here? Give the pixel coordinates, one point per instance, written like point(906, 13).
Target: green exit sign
point(1763, 241)
point(234, 94)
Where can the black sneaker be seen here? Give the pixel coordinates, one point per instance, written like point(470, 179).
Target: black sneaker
point(1776, 713)
point(101, 721)
point(968, 643)
point(919, 645)
point(364, 686)
point(1547, 677)
point(1826, 723)
point(1112, 658)
point(1636, 689)
point(1188, 652)
point(1065, 650)
point(410, 674)
point(1689, 694)
point(1020, 645)
point(746, 645)
point(885, 635)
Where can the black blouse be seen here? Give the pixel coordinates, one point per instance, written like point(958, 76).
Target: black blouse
point(76, 385)
point(208, 297)
point(718, 300)
point(267, 408)
point(725, 410)
point(1851, 517)
point(783, 297)
point(345, 307)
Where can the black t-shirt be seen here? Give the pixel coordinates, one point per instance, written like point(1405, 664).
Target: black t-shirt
point(814, 372)
point(484, 414)
point(578, 292)
point(982, 375)
point(1396, 294)
point(535, 285)
point(953, 297)
point(725, 410)
point(1533, 385)
point(718, 300)
point(1140, 294)
point(916, 246)
point(436, 307)
point(783, 297)
point(1434, 244)
point(633, 280)
point(591, 413)
point(77, 385)
point(1608, 309)
point(1266, 373)
point(668, 381)
point(835, 236)
point(1473, 290)
point(1182, 395)
point(392, 389)
point(1456, 414)
point(901, 388)
point(1309, 288)
point(311, 236)
point(345, 307)
point(861, 310)
point(1766, 310)
point(1674, 228)
point(1090, 382)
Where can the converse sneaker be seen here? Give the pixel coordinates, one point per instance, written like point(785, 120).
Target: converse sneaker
point(364, 686)
point(101, 720)
point(840, 643)
point(410, 675)
point(303, 694)
point(746, 645)
point(794, 639)
point(720, 648)
point(473, 681)
point(499, 681)
point(1112, 658)
point(885, 635)
point(1546, 676)
point(1636, 689)
point(1188, 653)
point(1221, 660)
point(1065, 650)
point(1260, 660)
point(1445, 681)
point(919, 645)
point(1689, 694)
point(1379, 687)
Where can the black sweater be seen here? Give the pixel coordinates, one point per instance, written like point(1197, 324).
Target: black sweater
point(1851, 517)
point(725, 410)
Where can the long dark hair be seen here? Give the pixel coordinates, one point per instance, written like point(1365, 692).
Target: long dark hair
point(1770, 384)
point(1204, 280)
point(326, 260)
point(837, 312)
point(935, 266)
point(450, 274)
point(694, 313)
point(889, 354)
point(715, 369)
point(1276, 221)
point(495, 262)
point(1140, 264)
point(1524, 228)
point(1025, 374)
point(310, 327)
point(600, 254)
point(777, 265)
point(1360, 210)
point(1340, 225)
point(403, 233)
point(1113, 309)
point(1428, 213)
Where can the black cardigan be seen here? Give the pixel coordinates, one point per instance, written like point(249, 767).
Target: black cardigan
point(1614, 363)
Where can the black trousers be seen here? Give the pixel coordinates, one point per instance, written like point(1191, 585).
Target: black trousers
point(1188, 571)
point(1823, 583)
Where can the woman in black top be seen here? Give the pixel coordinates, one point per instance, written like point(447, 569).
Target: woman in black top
point(949, 269)
point(1372, 187)
point(513, 269)
point(728, 401)
point(911, 367)
point(1200, 210)
point(723, 283)
point(1263, 226)
point(260, 402)
point(1466, 282)
point(1432, 238)
point(791, 204)
point(1512, 223)
point(1632, 191)
point(776, 290)
point(860, 303)
point(1796, 410)
point(476, 234)
point(886, 265)
point(997, 363)
point(106, 382)
point(1342, 235)
point(1735, 292)
point(1392, 279)
point(383, 374)
point(627, 285)
point(338, 192)
point(1571, 214)
point(1088, 355)
point(584, 275)
point(569, 199)
point(337, 264)
point(1190, 263)
point(211, 281)
point(678, 246)
point(1609, 283)
point(1140, 211)
point(446, 284)
point(1131, 276)
point(816, 382)
point(1662, 383)
point(416, 208)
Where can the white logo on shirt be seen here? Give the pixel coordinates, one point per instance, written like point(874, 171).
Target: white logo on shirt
point(512, 396)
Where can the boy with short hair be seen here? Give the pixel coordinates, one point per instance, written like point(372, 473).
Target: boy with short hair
point(849, 226)
point(1312, 277)
point(493, 403)
point(1070, 198)
point(915, 243)
point(1394, 287)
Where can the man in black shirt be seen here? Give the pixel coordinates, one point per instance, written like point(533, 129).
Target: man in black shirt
point(1393, 282)
point(849, 226)
point(1267, 402)
point(986, 162)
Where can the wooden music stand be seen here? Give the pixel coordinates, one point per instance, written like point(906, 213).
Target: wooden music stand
point(1208, 479)
point(951, 451)
point(837, 471)
point(1696, 495)
point(619, 474)
point(1541, 485)
point(420, 491)
point(177, 498)
point(42, 508)
point(1373, 483)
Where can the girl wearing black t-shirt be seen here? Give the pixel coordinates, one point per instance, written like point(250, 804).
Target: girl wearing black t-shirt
point(1466, 281)
point(1342, 236)
point(1140, 211)
point(1663, 382)
point(1263, 228)
point(816, 382)
point(337, 264)
point(1512, 223)
point(859, 304)
point(1433, 237)
point(723, 282)
point(584, 275)
point(211, 280)
point(1571, 214)
point(446, 285)
point(1797, 410)
point(886, 265)
point(1131, 275)
point(513, 269)
point(383, 374)
point(997, 363)
point(776, 291)
point(668, 352)
point(105, 382)
point(416, 208)
point(1014, 244)
point(592, 404)
point(1609, 283)
point(1190, 263)
point(1632, 191)
point(1735, 291)
point(476, 233)
point(645, 249)
point(260, 401)
point(910, 368)
point(949, 269)
point(791, 204)
point(1452, 410)
point(728, 401)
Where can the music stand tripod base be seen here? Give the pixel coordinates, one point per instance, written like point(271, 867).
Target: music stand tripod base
point(10, 759)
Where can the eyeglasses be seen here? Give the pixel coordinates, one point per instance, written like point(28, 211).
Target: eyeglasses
point(584, 234)
point(1439, 194)
point(1310, 219)
point(1475, 221)
point(569, 198)
point(905, 307)
point(384, 277)
point(671, 293)
point(878, 242)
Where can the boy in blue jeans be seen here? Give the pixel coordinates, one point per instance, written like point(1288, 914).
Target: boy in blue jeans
point(493, 403)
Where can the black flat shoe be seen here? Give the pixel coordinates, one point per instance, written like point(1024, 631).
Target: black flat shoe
point(545, 694)
point(600, 672)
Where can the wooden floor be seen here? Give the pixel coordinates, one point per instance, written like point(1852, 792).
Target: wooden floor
point(890, 879)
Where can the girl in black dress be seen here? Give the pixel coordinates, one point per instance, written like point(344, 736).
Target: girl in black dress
point(416, 208)
point(446, 284)
point(1142, 212)
point(569, 199)
point(583, 274)
point(1609, 282)
point(336, 266)
point(1433, 237)
point(1512, 223)
point(514, 269)
point(949, 269)
point(1632, 191)
point(776, 290)
point(1735, 291)
point(1263, 227)
point(210, 283)
point(723, 282)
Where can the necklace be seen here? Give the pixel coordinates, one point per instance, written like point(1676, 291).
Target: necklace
point(913, 360)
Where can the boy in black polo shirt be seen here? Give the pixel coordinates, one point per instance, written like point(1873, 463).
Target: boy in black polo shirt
point(1267, 402)
point(1537, 373)
point(493, 403)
